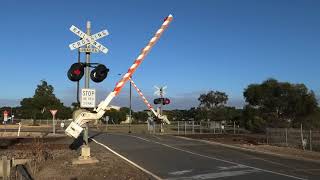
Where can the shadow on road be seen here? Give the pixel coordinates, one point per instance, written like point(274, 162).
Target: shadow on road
point(77, 143)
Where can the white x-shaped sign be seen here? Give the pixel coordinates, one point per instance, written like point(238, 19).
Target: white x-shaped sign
point(86, 39)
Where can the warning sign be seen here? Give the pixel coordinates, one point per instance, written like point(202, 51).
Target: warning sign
point(88, 98)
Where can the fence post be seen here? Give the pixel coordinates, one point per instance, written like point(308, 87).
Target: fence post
point(286, 137)
point(301, 134)
point(5, 167)
point(310, 140)
point(200, 128)
point(178, 127)
point(234, 127)
point(267, 133)
point(185, 127)
point(192, 127)
point(108, 120)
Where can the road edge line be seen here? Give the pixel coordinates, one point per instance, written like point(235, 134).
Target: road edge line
point(231, 162)
point(124, 158)
point(251, 150)
point(227, 161)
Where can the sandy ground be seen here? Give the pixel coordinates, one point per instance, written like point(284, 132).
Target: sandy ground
point(257, 144)
point(286, 151)
point(52, 160)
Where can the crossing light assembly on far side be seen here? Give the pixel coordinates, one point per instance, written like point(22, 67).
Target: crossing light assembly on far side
point(163, 101)
point(166, 101)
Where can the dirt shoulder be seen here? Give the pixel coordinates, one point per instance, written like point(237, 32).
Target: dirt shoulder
point(257, 145)
point(53, 160)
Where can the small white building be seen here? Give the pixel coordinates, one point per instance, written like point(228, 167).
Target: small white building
point(114, 107)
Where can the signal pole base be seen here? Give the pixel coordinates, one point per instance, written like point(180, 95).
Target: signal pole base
point(85, 157)
point(161, 128)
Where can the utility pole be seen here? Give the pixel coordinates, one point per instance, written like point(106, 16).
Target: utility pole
point(87, 72)
point(87, 44)
point(161, 95)
point(11, 116)
point(87, 80)
point(78, 83)
point(130, 105)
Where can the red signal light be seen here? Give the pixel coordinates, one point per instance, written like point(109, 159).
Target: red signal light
point(77, 72)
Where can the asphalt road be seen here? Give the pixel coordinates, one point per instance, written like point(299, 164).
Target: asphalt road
point(171, 157)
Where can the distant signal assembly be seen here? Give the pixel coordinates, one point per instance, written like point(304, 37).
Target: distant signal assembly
point(163, 101)
point(163, 118)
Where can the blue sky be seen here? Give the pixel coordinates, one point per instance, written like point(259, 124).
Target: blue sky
point(211, 45)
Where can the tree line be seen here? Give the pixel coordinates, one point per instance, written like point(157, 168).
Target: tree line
point(39, 105)
point(268, 104)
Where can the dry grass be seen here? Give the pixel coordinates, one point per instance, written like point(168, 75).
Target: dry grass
point(40, 153)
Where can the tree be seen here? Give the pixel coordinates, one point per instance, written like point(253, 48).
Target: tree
point(115, 115)
point(125, 110)
point(75, 105)
point(313, 119)
point(140, 116)
point(42, 101)
point(251, 119)
point(213, 99)
point(279, 103)
point(118, 115)
point(212, 105)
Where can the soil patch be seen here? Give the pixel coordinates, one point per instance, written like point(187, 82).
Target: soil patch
point(52, 159)
point(257, 143)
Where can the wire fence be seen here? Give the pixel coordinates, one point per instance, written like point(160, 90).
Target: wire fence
point(296, 138)
point(195, 127)
point(175, 128)
point(287, 137)
point(29, 125)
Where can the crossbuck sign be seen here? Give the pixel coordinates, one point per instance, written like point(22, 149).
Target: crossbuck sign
point(88, 40)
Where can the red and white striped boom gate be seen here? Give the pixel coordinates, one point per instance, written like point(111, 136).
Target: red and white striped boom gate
point(74, 129)
point(143, 98)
